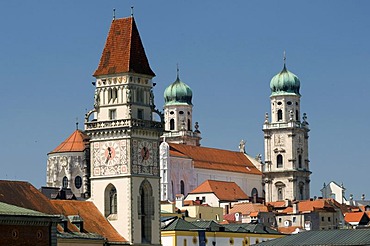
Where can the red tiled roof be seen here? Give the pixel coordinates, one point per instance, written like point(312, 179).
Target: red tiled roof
point(25, 195)
point(288, 230)
point(123, 51)
point(76, 142)
point(354, 217)
point(215, 159)
point(224, 191)
point(93, 220)
point(248, 208)
point(278, 204)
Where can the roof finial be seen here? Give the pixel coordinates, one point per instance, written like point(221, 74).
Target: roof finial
point(178, 71)
point(114, 14)
point(284, 58)
point(76, 123)
point(132, 11)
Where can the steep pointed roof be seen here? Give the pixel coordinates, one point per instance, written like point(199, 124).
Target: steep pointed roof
point(123, 52)
point(76, 142)
point(223, 190)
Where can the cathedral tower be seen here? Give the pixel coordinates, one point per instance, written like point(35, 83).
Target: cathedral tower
point(178, 115)
point(124, 138)
point(286, 170)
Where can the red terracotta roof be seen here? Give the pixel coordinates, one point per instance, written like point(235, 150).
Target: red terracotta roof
point(278, 204)
point(224, 191)
point(25, 195)
point(248, 208)
point(76, 142)
point(354, 217)
point(215, 159)
point(123, 51)
point(93, 220)
point(288, 230)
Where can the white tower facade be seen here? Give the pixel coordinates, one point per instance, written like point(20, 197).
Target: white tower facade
point(286, 169)
point(124, 138)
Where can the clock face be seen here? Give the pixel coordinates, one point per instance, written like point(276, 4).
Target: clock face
point(145, 150)
point(110, 153)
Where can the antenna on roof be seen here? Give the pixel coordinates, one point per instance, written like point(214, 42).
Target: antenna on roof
point(132, 11)
point(76, 123)
point(114, 14)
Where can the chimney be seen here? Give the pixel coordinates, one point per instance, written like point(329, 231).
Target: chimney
point(179, 200)
point(295, 208)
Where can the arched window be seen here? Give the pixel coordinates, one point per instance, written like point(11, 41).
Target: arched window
point(299, 161)
point(280, 190)
point(280, 115)
point(280, 194)
point(112, 94)
point(146, 211)
point(279, 161)
point(254, 195)
point(189, 125)
point(172, 124)
point(182, 187)
point(65, 182)
point(296, 115)
point(110, 200)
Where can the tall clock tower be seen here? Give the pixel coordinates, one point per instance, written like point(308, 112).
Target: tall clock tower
point(286, 169)
point(124, 138)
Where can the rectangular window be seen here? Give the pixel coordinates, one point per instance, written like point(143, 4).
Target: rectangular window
point(140, 114)
point(279, 220)
point(329, 219)
point(322, 218)
point(112, 114)
point(294, 219)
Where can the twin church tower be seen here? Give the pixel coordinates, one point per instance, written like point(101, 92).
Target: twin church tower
point(115, 162)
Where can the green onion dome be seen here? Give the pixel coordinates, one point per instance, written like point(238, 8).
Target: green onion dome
point(285, 83)
point(178, 93)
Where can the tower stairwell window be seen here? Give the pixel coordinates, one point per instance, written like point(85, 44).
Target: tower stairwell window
point(280, 115)
point(172, 124)
point(182, 187)
point(299, 161)
point(279, 161)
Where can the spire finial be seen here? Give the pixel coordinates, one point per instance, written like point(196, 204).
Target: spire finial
point(284, 58)
point(132, 11)
point(177, 71)
point(114, 14)
point(76, 123)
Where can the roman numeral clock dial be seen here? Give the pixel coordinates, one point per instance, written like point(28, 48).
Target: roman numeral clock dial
point(145, 157)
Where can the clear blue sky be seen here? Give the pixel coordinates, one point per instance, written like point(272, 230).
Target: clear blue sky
point(227, 50)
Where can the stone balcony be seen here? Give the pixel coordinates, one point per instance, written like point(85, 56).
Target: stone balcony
point(122, 123)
